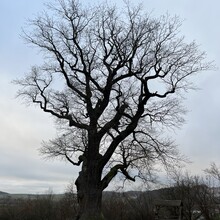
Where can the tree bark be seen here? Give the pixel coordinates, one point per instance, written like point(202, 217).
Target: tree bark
point(89, 192)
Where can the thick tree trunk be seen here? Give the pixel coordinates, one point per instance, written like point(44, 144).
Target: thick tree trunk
point(89, 194)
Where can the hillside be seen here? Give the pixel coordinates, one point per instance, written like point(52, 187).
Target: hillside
point(3, 193)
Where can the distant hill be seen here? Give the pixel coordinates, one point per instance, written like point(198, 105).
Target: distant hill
point(3, 193)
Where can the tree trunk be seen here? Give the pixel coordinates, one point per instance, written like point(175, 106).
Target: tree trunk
point(89, 193)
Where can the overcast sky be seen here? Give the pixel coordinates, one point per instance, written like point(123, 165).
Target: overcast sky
point(23, 128)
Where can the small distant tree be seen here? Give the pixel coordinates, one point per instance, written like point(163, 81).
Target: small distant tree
point(114, 80)
point(184, 189)
point(213, 171)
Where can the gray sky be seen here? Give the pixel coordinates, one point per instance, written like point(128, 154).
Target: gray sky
point(23, 128)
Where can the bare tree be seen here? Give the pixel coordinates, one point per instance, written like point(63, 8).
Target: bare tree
point(213, 171)
point(113, 79)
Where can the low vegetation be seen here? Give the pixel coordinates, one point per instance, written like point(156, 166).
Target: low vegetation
point(200, 198)
point(117, 206)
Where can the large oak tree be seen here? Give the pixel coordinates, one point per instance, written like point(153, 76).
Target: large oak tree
point(114, 80)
